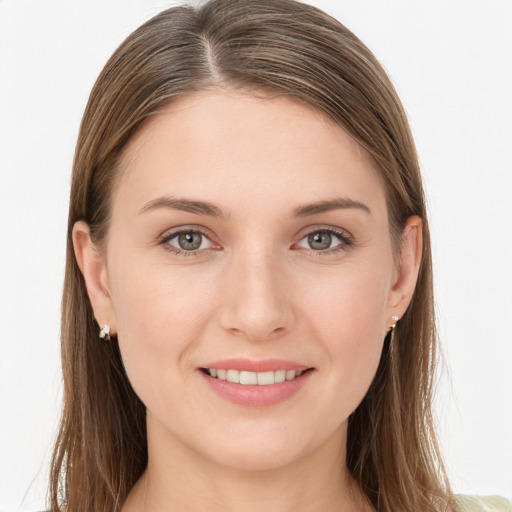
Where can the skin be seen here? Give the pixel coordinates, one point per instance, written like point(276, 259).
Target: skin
point(256, 289)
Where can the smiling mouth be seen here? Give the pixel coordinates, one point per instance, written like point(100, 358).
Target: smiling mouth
point(247, 378)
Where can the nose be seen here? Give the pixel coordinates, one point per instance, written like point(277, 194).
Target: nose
point(257, 297)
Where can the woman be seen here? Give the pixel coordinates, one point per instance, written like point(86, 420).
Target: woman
point(247, 314)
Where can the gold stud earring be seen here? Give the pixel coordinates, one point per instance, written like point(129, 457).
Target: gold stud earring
point(105, 333)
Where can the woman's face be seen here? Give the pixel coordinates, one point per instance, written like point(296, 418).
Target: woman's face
point(248, 236)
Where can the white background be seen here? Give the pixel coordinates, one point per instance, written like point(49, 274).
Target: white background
point(452, 64)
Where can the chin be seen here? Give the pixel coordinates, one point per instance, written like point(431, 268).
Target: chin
point(270, 448)
point(257, 458)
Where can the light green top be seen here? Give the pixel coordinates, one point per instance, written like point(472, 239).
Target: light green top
point(484, 504)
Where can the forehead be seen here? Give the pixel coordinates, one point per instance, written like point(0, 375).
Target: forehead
point(224, 145)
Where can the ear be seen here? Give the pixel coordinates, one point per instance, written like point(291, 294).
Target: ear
point(94, 269)
point(407, 273)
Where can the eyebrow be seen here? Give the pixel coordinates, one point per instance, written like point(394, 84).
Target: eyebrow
point(209, 209)
point(186, 205)
point(339, 203)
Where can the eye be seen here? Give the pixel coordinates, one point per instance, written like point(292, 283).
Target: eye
point(187, 242)
point(326, 240)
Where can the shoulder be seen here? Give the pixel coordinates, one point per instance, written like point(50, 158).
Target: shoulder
point(484, 504)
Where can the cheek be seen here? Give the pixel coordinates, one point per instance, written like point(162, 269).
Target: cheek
point(347, 316)
point(160, 315)
point(349, 305)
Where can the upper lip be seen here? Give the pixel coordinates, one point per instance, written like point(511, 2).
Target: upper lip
point(252, 365)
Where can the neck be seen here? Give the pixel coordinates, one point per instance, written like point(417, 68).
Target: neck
point(180, 478)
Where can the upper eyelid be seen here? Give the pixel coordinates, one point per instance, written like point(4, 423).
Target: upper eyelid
point(172, 232)
point(326, 227)
point(306, 231)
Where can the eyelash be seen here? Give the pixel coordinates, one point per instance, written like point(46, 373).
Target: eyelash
point(167, 238)
point(345, 241)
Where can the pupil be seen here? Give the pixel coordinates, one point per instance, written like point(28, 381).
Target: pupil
point(320, 240)
point(190, 241)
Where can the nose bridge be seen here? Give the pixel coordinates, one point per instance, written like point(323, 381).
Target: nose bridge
point(258, 303)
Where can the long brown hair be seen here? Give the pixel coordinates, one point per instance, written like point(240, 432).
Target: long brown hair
point(295, 50)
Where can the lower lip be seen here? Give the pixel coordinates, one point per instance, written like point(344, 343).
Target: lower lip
point(256, 396)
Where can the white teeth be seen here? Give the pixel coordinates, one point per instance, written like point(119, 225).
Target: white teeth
point(255, 378)
point(233, 376)
point(290, 374)
point(248, 378)
point(265, 378)
point(280, 376)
